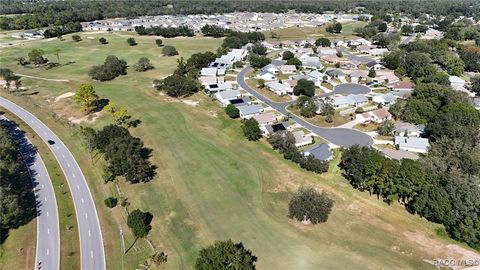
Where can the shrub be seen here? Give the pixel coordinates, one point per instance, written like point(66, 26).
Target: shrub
point(251, 130)
point(76, 38)
point(159, 42)
point(111, 202)
point(103, 40)
point(232, 111)
point(224, 255)
point(131, 41)
point(169, 51)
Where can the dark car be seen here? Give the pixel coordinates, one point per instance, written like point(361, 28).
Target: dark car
point(51, 142)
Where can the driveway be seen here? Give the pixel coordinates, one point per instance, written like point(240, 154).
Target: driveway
point(48, 232)
point(91, 240)
point(338, 136)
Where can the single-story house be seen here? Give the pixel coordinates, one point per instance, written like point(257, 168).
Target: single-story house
point(266, 118)
point(290, 82)
point(248, 111)
point(331, 59)
point(238, 54)
point(388, 98)
point(302, 139)
point(311, 62)
point(374, 65)
point(377, 116)
point(218, 87)
point(288, 69)
point(387, 76)
point(326, 51)
point(413, 144)
point(279, 88)
point(320, 151)
point(265, 75)
point(273, 128)
point(350, 100)
point(365, 49)
point(207, 80)
point(271, 68)
point(209, 71)
point(225, 96)
point(299, 77)
point(238, 102)
point(455, 80)
point(407, 129)
point(378, 51)
point(399, 154)
point(315, 75)
point(335, 73)
point(358, 74)
point(432, 34)
point(403, 86)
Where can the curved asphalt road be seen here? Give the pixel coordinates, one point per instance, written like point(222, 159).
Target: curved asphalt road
point(339, 136)
point(91, 241)
point(48, 231)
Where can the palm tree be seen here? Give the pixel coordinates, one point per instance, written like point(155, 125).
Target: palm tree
point(57, 53)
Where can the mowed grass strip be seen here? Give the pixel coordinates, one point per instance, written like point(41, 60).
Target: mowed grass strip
point(69, 239)
point(298, 33)
point(212, 184)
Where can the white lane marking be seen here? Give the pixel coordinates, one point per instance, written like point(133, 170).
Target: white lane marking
point(43, 186)
point(89, 234)
point(35, 164)
point(45, 198)
point(47, 213)
point(58, 148)
point(91, 253)
point(73, 175)
point(78, 187)
point(82, 200)
point(63, 156)
point(68, 165)
point(48, 231)
point(86, 215)
point(48, 251)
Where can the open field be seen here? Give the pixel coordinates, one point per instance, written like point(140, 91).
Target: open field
point(295, 33)
point(212, 184)
point(70, 252)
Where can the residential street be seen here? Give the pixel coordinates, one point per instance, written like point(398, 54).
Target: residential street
point(48, 232)
point(338, 136)
point(91, 241)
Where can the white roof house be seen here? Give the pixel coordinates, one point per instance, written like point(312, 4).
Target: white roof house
point(218, 87)
point(321, 151)
point(265, 75)
point(271, 68)
point(266, 118)
point(388, 98)
point(455, 80)
point(248, 111)
point(225, 96)
point(288, 69)
point(326, 51)
point(376, 116)
point(279, 88)
point(350, 100)
point(301, 139)
point(378, 51)
point(208, 71)
point(413, 144)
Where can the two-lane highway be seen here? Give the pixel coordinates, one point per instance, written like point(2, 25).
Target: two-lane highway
point(91, 241)
point(48, 231)
point(338, 136)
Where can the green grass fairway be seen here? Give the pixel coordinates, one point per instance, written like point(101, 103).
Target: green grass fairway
point(295, 33)
point(212, 184)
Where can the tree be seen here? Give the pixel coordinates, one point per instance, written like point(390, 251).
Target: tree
point(325, 107)
point(10, 77)
point(159, 42)
point(200, 60)
point(232, 111)
point(177, 85)
point(232, 42)
point(295, 61)
point(307, 204)
point(287, 55)
point(36, 57)
point(304, 87)
point(421, 28)
point(259, 49)
point(257, 61)
point(169, 51)
point(322, 42)
point(382, 27)
point(260, 83)
point(476, 84)
point(337, 28)
point(111, 68)
point(471, 57)
point(22, 61)
point(225, 255)
point(103, 41)
point(251, 130)
point(119, 114)
point(139, 222)
point(76, 38)
point(131, 41)
point(407, 29)
point(143, 65)
point(86, 97)
point(309, 109)
point(386, 128)
point(111, 202)
point(372, 73)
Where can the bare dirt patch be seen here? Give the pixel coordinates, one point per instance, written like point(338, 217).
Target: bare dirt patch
point(62, 96)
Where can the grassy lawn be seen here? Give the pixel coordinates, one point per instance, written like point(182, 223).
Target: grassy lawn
point(366, 127)
point(252, 82)
point(69, 245)
point(18, 250)
point(294, 33)
point(319, 120)
point(212, 184)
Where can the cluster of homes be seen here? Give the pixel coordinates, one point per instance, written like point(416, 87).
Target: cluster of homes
point(213, 80)
point(237, 21)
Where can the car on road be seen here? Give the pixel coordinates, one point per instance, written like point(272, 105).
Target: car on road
point(51, 142)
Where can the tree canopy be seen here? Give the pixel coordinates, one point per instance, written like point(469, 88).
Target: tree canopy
point(307, 204)
point(251, 130)
point(86, 97)
point(111, 68)
point(225, 255)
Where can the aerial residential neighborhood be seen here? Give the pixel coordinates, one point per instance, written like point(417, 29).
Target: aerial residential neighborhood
point(240, 134)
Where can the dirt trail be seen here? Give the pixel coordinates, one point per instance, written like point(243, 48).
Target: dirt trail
point(40, 78)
